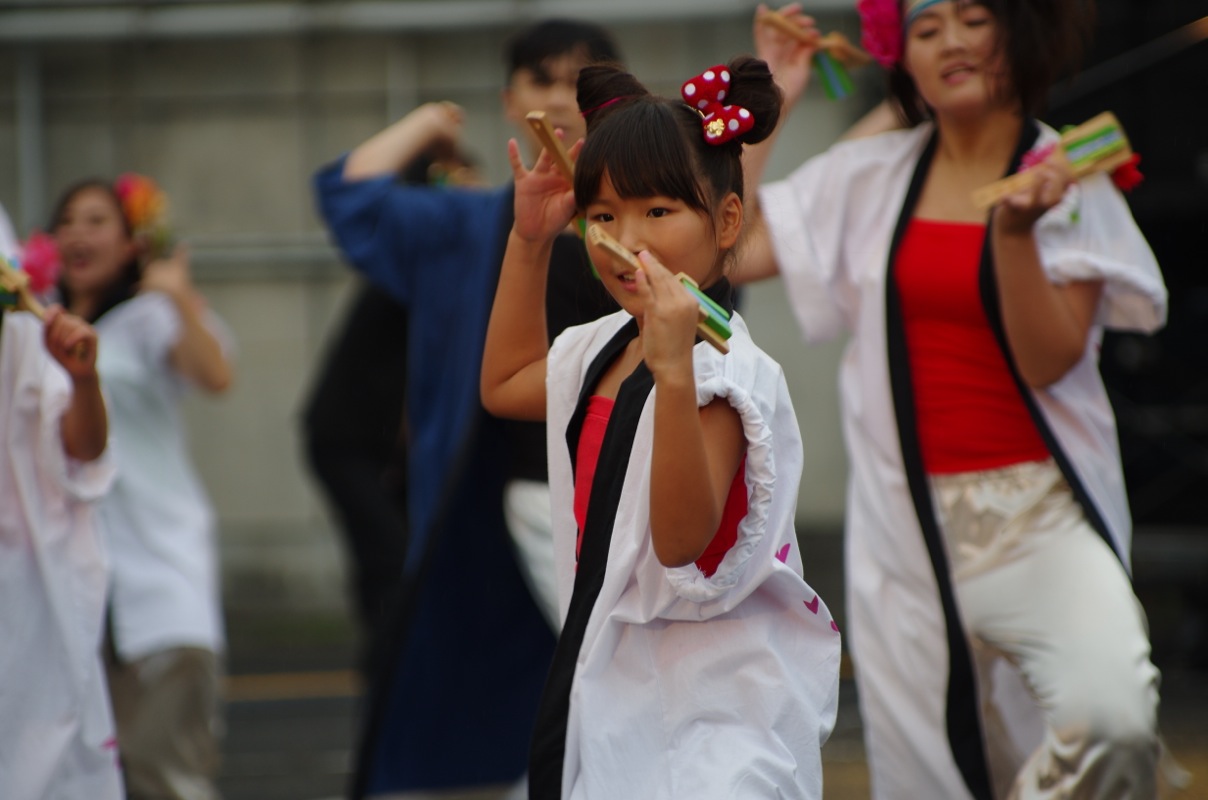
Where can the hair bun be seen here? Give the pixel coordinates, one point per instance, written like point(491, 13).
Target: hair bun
point(752, 87)
point(601, 86)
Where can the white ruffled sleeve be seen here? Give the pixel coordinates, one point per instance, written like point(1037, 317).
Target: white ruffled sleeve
point(1091, 235)
point(758, 393)
point(689, 582)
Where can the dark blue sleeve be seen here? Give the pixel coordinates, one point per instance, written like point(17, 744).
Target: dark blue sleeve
point(385, 229)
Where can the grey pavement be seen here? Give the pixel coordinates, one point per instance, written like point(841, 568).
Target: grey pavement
point(301, 748)
point(294, 694)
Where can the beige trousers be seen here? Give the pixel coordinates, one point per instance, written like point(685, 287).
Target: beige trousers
point(167, 709)
point(1037, 585)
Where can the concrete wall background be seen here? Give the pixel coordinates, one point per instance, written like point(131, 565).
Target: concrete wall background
point(233, 128)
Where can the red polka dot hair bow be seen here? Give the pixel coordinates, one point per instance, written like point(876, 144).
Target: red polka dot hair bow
point(705, 93)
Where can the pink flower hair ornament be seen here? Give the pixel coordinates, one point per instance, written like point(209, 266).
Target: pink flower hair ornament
point(882, 28)
point(145, 207)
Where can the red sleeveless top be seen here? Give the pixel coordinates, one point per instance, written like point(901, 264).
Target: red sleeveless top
point(969, 411)
point(599, 409)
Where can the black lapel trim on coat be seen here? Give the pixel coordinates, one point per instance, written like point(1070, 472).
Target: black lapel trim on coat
point(990, 302)
point(549, 738)
point(548, 753)
point(963, 721)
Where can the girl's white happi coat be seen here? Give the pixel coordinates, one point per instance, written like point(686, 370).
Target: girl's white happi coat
point(56, 730)
point(831, 224)
point(687, 686)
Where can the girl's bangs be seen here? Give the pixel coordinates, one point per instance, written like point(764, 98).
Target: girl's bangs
point(659, 165)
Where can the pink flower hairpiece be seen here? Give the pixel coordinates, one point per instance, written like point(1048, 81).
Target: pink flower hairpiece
point(145, 207)
point(705, 94)
point(882, 27)
point(881, 30)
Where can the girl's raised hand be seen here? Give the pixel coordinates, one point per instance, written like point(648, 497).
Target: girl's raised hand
point(788, 57)
point(669, 318)
point(169, 275)
point(1018, 212)
point(72, 342)
point(545, 200)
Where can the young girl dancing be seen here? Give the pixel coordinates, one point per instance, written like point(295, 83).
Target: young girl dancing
point(999, 648)
point(694, 661)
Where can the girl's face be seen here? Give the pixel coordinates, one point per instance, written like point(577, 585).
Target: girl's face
point(93, 242)
point(951, 52)
point(682, 238)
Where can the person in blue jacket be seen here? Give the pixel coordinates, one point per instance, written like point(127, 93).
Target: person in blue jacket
point(352, 428)
point(452, 705)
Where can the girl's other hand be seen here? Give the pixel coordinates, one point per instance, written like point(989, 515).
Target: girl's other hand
point(669, 317)
point(788, 57)
point(545, 200)
point(72, 342)
point(1018, 212)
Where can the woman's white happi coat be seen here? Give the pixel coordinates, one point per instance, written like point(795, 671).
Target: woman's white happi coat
point(56, 730)
point(832, 223)
point(157, 523)
point(688, 686)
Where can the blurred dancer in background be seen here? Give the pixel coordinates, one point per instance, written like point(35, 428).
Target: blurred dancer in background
point(999, 648)
point(57, 736)
point(352, 424)
point(454, 703)
point(158, 342)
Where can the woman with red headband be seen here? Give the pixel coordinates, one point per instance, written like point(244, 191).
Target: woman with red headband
point(999, 648)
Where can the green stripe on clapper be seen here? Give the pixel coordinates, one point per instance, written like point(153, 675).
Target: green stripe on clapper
point(717, 319)
point(1094, 146)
